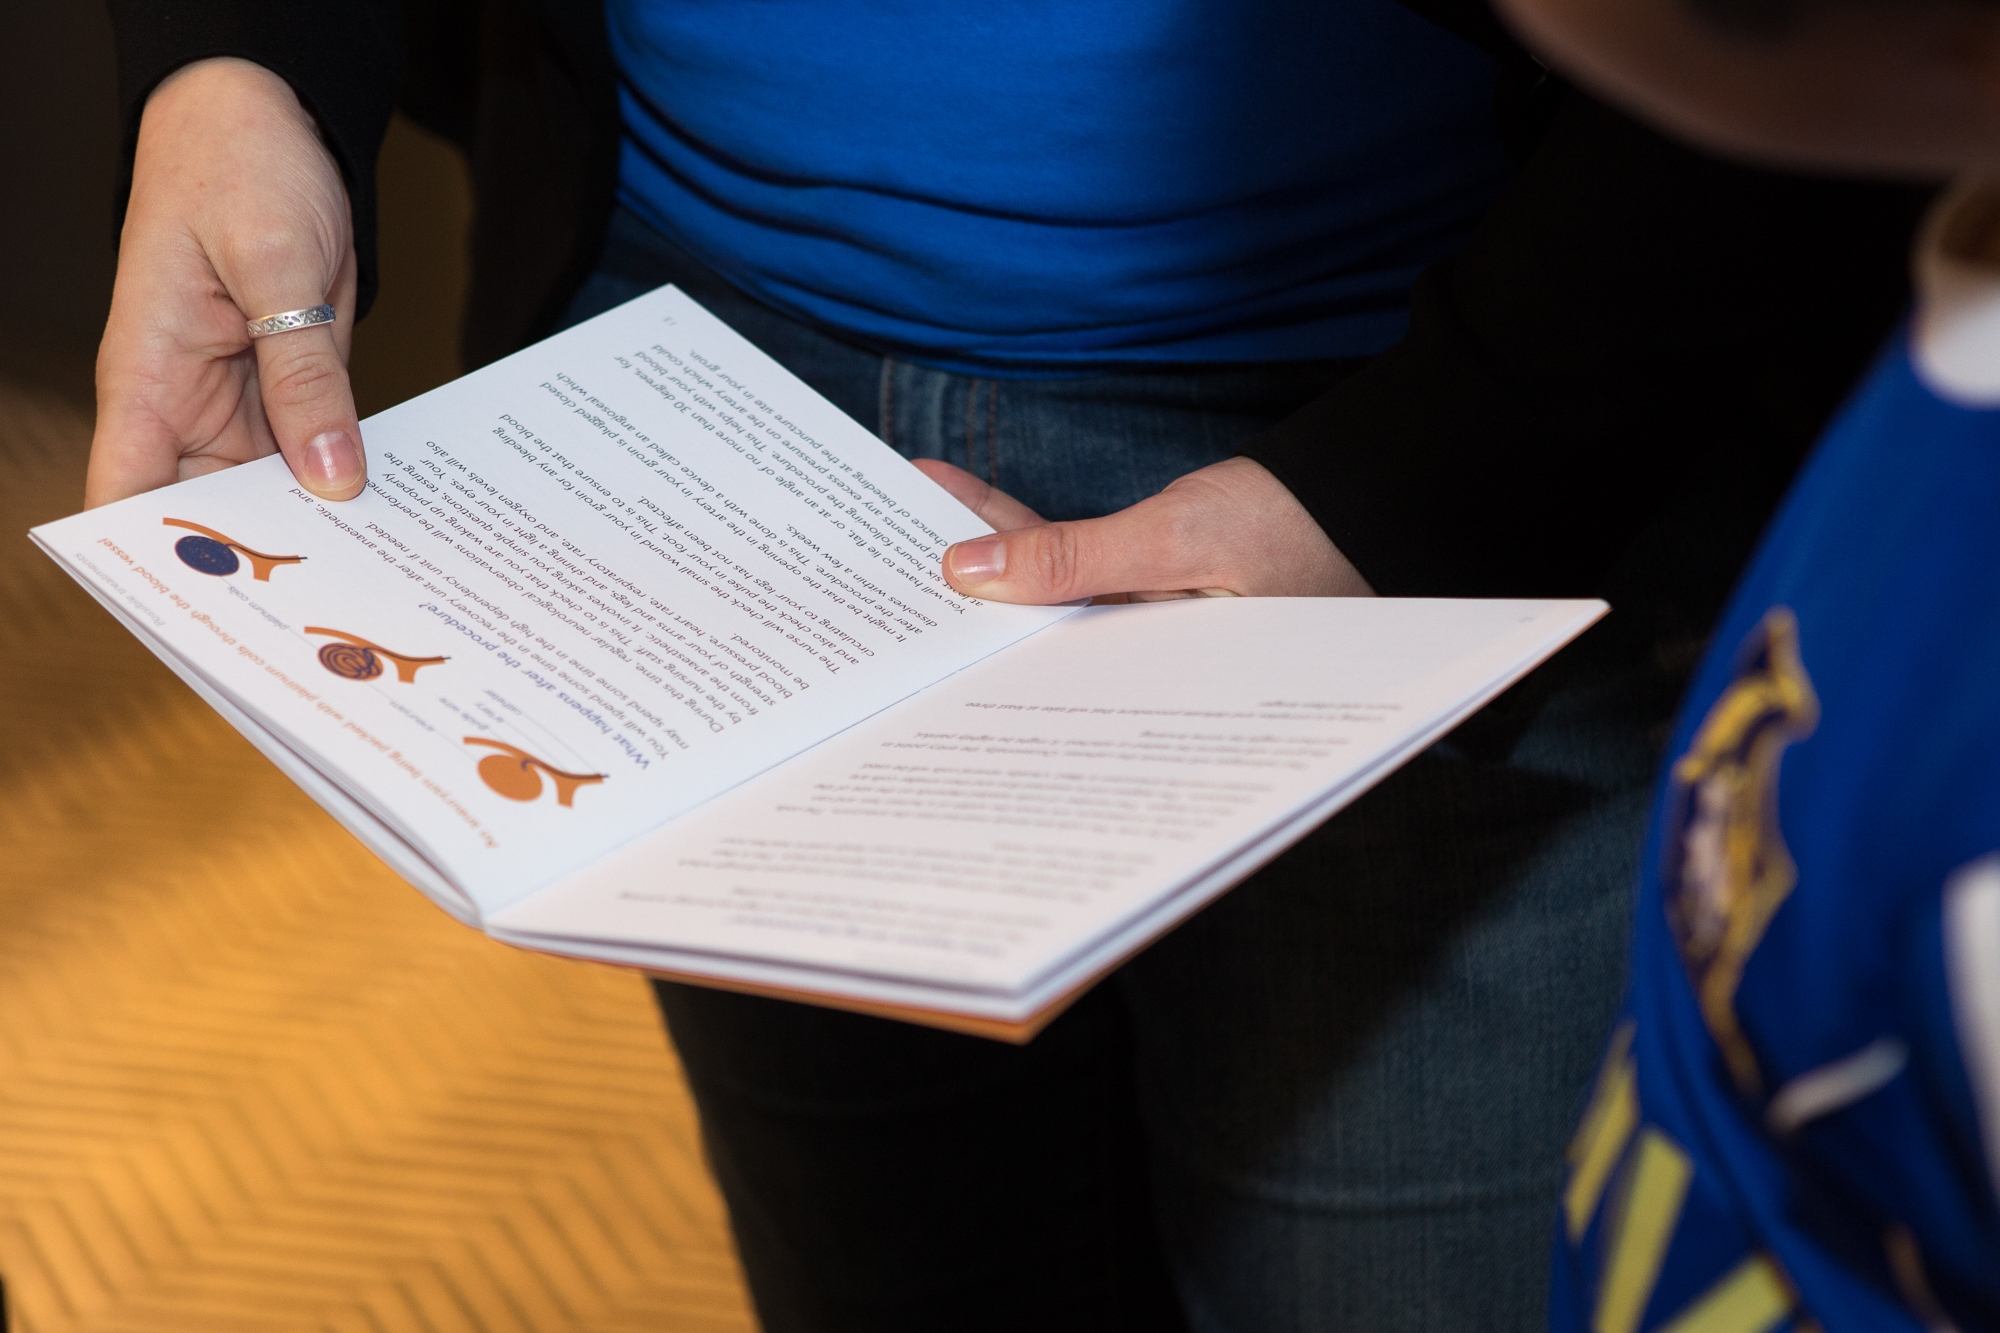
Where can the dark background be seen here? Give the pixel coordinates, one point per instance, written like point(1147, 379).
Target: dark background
point(58, 159)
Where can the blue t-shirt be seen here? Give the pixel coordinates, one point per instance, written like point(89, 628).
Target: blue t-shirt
point(1052, 185)
point(1797, 1125)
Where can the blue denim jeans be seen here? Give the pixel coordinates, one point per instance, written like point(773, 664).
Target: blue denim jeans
point(1337, 1099)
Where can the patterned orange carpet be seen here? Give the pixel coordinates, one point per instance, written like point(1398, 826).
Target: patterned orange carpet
point(251, 1081)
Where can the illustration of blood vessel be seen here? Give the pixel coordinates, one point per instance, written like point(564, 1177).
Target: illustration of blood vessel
point(512, 773)
point(214, 553)
point(355, 658)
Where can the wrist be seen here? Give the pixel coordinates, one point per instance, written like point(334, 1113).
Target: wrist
point(226, 85)
point(225, 145)
point(1300, 557)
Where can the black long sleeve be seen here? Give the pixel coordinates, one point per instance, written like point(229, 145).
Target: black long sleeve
point(344, 60)
point(1633, 322)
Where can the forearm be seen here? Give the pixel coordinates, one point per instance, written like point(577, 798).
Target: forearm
point(344, 61)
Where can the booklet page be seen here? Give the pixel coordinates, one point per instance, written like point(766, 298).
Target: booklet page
point(1004, 820)
point(587, 588)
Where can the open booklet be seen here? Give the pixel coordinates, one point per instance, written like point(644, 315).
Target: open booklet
point(636, 649)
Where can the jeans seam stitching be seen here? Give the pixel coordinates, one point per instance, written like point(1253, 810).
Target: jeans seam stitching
point(992, 411)
point(888, 404)
point(971, 402)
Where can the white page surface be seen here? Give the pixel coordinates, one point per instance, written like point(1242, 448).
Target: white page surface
point(588, 588)
point(998, 829)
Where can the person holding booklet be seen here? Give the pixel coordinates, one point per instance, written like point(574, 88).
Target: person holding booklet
point(1145, 273)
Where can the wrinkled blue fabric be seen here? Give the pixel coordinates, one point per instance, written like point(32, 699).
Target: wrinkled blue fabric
point(1051, 185)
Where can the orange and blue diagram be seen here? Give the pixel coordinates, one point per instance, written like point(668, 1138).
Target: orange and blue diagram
point(212, 552)
point(355, 658)
point(517, 775)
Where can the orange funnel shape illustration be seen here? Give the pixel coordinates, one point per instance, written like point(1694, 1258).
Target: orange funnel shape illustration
point(213, 553)
point(512, 773)
point(354, 658)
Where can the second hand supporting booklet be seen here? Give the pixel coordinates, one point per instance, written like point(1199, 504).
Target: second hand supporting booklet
point(635, 649)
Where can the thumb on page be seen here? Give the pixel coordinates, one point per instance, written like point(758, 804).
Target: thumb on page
point(1228, 529)
point(307, 399)
point(1061, 562)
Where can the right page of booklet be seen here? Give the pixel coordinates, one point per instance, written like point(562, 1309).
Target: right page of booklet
point(1005, 823)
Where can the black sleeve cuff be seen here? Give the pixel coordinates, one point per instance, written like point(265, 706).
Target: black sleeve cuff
point(343, 59)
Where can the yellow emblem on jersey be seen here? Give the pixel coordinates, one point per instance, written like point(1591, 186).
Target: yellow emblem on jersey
point(1727, 868)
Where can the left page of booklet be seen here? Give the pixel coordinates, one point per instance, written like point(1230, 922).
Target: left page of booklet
point(587, 588)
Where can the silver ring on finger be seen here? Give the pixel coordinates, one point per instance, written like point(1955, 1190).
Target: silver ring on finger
point(289, 320)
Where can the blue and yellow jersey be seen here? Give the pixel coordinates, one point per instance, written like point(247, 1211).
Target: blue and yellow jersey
point(1797, 1120)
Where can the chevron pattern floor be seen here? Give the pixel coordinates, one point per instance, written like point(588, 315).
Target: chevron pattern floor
point(248, 1079)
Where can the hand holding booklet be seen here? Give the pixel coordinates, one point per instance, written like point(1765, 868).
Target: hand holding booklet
point(635, 649)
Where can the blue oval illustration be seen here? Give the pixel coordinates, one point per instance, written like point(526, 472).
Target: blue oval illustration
point(206, 555)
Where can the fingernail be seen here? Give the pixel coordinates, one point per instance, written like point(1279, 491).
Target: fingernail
point(979, 561)
point(332, 462)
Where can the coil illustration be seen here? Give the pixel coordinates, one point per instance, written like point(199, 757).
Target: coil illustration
point(355, 658)
point(214, 553)
point(512, 773)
